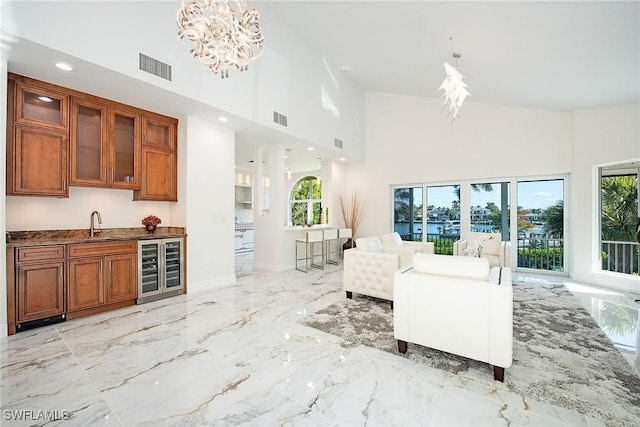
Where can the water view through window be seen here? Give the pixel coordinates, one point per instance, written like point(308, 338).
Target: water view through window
point(541, 224)
point(432, 213)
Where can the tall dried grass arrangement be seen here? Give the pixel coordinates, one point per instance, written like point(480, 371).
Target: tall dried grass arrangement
point(352, 208)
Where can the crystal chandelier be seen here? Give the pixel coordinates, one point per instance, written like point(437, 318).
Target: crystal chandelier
point(225, 33)
point(455, 90)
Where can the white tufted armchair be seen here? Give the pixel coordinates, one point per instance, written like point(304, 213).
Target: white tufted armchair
point(460, 305)
point(370, 266)
point(497, 252)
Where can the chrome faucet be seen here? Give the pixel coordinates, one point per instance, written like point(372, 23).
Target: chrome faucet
point(92, 229)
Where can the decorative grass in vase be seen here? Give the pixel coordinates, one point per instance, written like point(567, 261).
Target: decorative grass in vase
point(352, 208)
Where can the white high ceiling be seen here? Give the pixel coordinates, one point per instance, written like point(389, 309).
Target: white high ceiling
point(557, 55)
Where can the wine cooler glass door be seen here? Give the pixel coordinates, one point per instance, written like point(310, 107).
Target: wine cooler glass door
point(149, 280)
point(173, 263)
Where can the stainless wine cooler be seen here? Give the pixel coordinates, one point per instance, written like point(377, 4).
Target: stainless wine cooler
point(160, 269)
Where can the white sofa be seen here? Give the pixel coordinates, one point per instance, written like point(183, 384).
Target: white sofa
point(456, 304)
point(497, 252)
point(369, 267)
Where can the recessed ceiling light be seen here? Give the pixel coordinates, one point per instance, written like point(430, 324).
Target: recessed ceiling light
point(310, 148)
point(45, 99)
point(223, 119)
point(64, 66)
point(342, 159)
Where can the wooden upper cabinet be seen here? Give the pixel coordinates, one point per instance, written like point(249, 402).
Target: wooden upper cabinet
point(39, 160)
point(159, 176)
point(88, 143)
point(159, 159)
point(58, 137)
point(124, 148)
point(159, 131)
point(41, 107)
point(105, 146)
point(37, 139)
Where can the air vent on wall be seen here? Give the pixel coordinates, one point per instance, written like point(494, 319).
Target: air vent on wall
point(155, 67)
point(337, 142)
point(280, 119)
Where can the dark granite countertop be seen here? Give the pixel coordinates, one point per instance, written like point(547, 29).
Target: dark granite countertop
point(64, 237)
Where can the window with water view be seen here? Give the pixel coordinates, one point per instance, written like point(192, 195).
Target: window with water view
point(432, 213)
point(619, 218)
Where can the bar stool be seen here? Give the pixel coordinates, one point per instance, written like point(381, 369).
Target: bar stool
point(312, 238)
point(344, 233)
point(330, 238)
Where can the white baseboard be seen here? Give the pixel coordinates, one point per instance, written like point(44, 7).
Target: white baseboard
point(4, 330)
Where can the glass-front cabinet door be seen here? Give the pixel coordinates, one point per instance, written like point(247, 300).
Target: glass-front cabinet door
point(125, 149)
point(105, 146)
point(88, 143)
point(41, 107)
point(173, 263)
point(149, 273)
point(159, 131)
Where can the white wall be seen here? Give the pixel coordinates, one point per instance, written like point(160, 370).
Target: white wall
point(3, 139)
point(290, 77)
point(409, 140)
point(116, 208)
point(601, 135)
point(210, 180)
point(272, 247)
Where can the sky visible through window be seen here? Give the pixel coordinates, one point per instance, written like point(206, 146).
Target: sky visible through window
point(531, 195)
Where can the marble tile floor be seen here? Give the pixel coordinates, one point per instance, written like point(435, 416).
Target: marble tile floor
point(237, 355)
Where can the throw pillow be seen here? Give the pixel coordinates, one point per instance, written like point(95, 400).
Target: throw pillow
point(369, 244)
point(391, 239)
point(491, 246)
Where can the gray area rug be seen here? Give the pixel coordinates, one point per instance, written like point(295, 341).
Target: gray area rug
point(560, 355)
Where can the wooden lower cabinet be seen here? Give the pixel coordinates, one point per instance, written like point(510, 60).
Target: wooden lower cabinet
point(46, 284)
point(40, 290)
point(122, 276)
point(86, 283)
point(37, 280)
point(100, 274)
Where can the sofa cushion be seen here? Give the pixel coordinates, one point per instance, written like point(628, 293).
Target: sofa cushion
point(490, 246)
point(369, 244)
point(391, 239)
point(451, 266)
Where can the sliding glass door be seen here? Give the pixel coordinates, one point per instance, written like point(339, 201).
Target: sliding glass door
point(443, 217)
point(619, 219)
point(536, 230)
point(541, 225)
point(489, 208)
point(407, 213)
